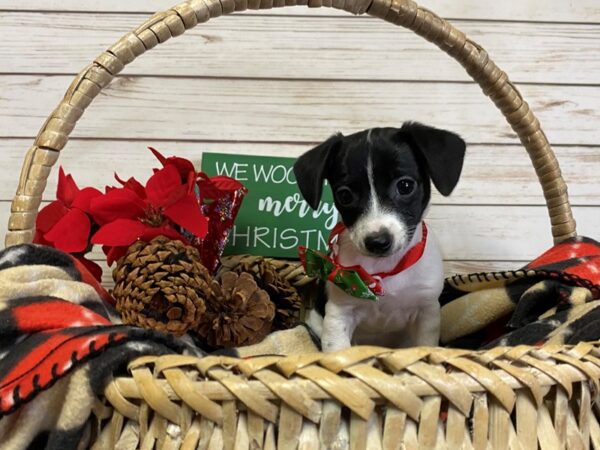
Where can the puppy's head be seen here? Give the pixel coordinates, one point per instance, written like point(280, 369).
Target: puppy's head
point(380, 180)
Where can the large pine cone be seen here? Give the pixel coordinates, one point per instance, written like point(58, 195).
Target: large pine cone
point(288, 303)
point(238, 313)
point(161, 285)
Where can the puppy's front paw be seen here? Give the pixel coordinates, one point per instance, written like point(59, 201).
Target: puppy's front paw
point(330, 346)
point(427, 329)
point(336, 335)
point(338, 327)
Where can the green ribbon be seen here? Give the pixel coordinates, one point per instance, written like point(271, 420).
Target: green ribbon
point(355, 281)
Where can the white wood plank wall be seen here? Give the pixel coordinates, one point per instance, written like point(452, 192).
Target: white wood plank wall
point(277, 82)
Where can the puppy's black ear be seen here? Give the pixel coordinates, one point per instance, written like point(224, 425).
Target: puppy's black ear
point(311, 170)
point(442, 151)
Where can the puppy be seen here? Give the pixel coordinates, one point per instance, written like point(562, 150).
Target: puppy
point(381, 182)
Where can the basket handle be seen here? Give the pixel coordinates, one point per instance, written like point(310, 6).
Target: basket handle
point(161, 26)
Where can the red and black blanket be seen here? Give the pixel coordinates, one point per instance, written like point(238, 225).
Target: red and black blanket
point(60, 339)
point(553, 299)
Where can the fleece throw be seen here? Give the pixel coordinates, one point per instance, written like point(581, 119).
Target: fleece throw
point(59, 340)
point(553, 299)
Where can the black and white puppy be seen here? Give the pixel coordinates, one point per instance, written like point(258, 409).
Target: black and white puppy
point(381, 182)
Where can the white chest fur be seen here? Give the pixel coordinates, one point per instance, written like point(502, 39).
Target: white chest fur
point(408, 312)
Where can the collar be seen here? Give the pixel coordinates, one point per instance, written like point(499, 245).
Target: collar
point(355, 280)
point(408, 260)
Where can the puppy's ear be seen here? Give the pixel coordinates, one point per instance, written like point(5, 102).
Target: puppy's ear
point(311, 170)
point(442, 151)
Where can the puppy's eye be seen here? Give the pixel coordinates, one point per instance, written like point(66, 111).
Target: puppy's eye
point(345, 196)
point(406, 186)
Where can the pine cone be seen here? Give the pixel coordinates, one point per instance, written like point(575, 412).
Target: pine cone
point(161, 285)
point(238, 313)
point(287, 301)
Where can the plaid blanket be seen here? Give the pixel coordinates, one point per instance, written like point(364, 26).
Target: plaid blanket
point(553, 299)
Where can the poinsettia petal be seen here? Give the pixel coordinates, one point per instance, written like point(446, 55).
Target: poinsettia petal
point(120, 232)
point(186, 213)
point(66, 189)
point(164, 187)
point(114, 253)
point(184, 166)
point(38, 238)
point(84, 198)
point(71, 233)
point(159, 155)
point(225, 183)
point(49, 215)
point(191, 183)
point(165, 231)
point(217, 187)
point(94, 269)
point(116, 204)
point(133, 185)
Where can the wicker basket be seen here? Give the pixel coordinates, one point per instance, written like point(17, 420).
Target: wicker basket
point(364, 397)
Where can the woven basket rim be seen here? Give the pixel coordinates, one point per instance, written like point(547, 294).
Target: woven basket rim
point(495, 84)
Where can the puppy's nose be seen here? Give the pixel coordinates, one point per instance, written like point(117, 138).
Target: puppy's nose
point(378, 243)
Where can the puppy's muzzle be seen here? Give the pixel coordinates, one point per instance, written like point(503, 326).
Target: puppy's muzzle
point(379, 243)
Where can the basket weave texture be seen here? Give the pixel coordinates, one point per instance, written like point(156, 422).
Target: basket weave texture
point(363, 397)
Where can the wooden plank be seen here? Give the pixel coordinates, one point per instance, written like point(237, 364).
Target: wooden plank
point(491, 174)
point(291, 111)
point(301, 47)
point(500, 232)
point(531, 10)
point(488, 233)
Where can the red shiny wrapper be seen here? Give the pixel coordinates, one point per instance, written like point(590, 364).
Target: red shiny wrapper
point(220, 199)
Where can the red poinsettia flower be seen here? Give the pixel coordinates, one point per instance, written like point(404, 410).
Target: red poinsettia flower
point(129, 213)
point(64, 224)
point(131, 184)
point(184, 166)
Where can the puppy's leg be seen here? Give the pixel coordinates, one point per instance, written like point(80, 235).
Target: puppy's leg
point(338, 327)
point(426, 329)
point(315, 322)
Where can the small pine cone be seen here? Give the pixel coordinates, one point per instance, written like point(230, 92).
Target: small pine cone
point(161, 285)
point(237, 313)
point(288, 302)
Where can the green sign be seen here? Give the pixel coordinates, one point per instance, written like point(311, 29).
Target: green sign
point(274, 218)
